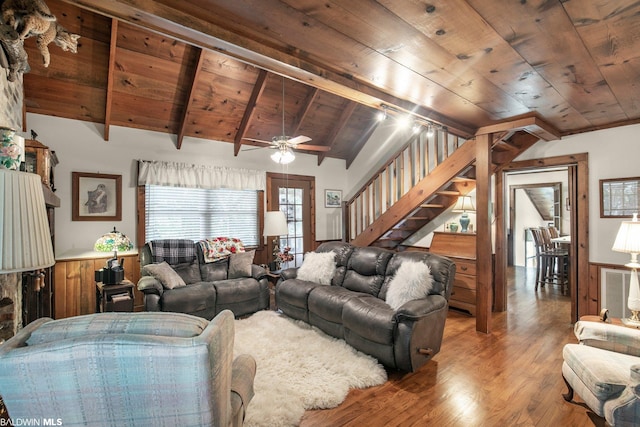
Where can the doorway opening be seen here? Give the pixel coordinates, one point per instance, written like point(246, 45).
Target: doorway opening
point(575, 223)
point(537, 201)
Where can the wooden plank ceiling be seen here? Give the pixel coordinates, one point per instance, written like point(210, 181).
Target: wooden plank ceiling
point(214, 69)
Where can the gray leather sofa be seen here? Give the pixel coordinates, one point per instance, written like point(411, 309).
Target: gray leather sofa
point(353, 307)
point(208, 289)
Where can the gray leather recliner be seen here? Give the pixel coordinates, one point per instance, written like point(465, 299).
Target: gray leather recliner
point(209, 290)
point(353, 307)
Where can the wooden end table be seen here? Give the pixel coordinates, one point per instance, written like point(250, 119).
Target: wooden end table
point(118, 297)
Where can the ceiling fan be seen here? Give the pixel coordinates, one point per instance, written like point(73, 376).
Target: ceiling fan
point(286, 144)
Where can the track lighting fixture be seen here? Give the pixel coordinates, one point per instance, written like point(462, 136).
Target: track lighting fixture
point(406, 120)
point(382, 115)
point(430, 130)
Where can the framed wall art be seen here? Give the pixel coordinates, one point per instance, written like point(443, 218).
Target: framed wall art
point(619, 197)
point(96, 197)
point(332, 198)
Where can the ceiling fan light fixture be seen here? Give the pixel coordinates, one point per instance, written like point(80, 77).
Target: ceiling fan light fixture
point(283, 156)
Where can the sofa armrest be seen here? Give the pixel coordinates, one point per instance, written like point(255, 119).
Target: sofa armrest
point(242, 375)
point(419, 308)
point(150, 285)
point(608, 337)
point(258, 272)
point(289, 273)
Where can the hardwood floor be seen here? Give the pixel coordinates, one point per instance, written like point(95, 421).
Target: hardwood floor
point(511, 377)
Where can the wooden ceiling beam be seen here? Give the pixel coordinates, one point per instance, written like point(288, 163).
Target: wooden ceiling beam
point(346, 114)
point(182, 127)
point(113, 41)
point(304, 111)
point(531, 124)
point(196, 30)
point(256, 93)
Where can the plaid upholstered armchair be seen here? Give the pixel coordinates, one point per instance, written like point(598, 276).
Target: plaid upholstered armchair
point(127, 369)
point(604, 369)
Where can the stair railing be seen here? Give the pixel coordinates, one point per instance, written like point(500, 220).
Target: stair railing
point(422, 153)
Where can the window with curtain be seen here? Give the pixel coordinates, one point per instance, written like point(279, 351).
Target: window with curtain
point(197, 213)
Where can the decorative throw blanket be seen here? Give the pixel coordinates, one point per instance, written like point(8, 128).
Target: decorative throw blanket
point(173, 251)
point(220, 247)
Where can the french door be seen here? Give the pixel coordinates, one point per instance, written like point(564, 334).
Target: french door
point(295, 196)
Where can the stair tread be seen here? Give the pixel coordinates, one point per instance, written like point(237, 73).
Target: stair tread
point(448, 193)
point(431, 205)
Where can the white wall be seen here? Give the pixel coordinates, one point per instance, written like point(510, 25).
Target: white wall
point(613, 153)
point(80, 147)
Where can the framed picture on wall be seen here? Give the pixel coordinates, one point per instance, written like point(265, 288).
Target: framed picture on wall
point(619, 197)
point(332, 198)
point(96, 197)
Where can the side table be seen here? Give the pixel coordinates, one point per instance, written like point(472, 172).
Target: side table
point(273, 277)
point(118, 297)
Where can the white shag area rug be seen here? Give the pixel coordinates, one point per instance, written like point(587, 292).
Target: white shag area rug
point(298, 368)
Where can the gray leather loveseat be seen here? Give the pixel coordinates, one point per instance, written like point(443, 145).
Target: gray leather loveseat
point(354, 306)
point(208, 288)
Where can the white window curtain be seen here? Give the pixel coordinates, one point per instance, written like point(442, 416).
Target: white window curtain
point(171, 174)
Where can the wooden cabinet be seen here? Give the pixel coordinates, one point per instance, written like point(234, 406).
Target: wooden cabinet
point(75, 282)
point(461, 249)
point(38, 160)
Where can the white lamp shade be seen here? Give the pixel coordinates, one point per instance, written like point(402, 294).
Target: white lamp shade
point(25, 240)
point(628, 238)
point(464, 204)
point(275, 224)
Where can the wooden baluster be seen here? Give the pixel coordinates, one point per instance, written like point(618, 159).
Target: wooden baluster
point(445, 147)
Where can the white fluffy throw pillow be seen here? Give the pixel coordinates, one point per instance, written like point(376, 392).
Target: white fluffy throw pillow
point(413, 280)
point(318, 267)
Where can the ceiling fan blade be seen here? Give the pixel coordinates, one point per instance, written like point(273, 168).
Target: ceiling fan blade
point(257, 148)
point(259, 140)
point(298, 140)
point(312, 147)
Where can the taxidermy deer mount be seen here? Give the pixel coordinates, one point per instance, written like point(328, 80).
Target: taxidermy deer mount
point(26, 18)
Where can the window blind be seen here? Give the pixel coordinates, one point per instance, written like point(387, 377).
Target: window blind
point(194, 213)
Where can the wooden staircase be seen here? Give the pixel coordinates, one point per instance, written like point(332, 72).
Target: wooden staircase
point(424, 179)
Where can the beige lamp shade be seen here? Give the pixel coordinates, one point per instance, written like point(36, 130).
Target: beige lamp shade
point(464, 204)
point(25, 240)
point(275, 224)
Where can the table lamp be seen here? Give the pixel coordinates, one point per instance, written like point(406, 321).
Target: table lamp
point(275, 224)
point(628, 241)
point(113, 241)
point(464, 205)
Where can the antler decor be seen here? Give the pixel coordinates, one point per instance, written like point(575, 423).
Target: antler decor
point(26, 18)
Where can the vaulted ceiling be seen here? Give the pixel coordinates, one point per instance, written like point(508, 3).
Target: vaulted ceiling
point(213, 69)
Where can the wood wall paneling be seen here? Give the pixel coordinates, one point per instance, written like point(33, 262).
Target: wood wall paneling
point(75, 293)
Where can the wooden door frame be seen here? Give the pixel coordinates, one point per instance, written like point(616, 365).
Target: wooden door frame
point(312, 196)
point(579, 250)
